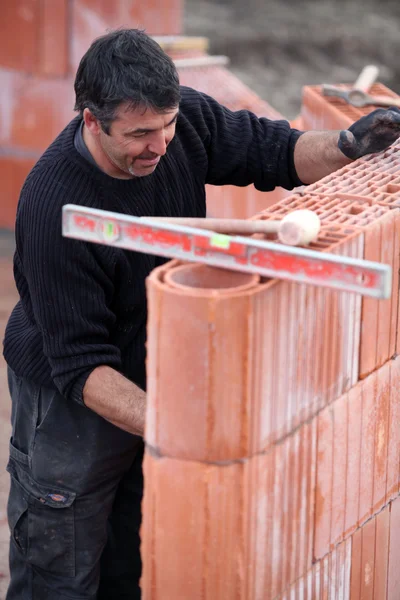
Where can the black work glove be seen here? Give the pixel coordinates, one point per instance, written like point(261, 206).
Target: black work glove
point(373, 133)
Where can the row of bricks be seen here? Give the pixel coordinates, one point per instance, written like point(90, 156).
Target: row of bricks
point(238, 530)
point(46, 37)
point(358, 453)
point(257, 525)
point(327, 112)
point(257, 358)
point(381, 229)
point(364, 567)
point(374, 178)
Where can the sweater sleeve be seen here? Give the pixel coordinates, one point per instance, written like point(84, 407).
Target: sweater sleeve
point(70, 290)
point(243, 149)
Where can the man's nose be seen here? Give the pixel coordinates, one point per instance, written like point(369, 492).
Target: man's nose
point(158, 145)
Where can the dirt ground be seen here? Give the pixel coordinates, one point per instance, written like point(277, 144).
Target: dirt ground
point(277, 46)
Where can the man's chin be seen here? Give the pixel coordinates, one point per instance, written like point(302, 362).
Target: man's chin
point(143, 172)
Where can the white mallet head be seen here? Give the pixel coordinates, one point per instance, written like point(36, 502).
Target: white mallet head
point(299, 228)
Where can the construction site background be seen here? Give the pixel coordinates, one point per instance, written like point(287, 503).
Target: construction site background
point(276, 48)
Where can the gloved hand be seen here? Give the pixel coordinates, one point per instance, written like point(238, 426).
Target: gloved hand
point(373, 133)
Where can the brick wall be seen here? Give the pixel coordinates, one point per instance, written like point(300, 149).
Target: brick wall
point(41, 43)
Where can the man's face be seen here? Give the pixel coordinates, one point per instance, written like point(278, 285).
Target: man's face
point(137, 140)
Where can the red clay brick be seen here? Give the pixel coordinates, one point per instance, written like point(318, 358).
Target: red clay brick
point(395, 287)
point(221, 323)
point(393, 461)
point(369, 311)
point(381, 436)
point(369, 390)
point(394, 571)
point(354, 416)
point(382, 554)
point(388, 226)
point(368, 560)
point(323, 499)
point(208, 559)
point(340, 453)
point(261, 516)
point(321, 112)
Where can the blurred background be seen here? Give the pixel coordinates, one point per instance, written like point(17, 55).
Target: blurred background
point(278, 46)
point(269, 56)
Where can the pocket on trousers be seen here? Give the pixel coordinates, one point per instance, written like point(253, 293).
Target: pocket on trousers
point(42, 523)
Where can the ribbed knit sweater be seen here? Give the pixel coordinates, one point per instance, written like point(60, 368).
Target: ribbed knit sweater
point(83, 305)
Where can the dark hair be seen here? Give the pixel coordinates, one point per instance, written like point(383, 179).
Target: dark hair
point(125, 66)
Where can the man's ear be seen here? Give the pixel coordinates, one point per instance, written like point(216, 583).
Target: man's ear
point(91, 123)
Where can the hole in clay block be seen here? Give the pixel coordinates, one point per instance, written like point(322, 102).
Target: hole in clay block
point(356, 209)
point(205, 277)
point(390, 188)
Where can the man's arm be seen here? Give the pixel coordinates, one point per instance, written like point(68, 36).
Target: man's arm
point(127, 407)
point(319, 153)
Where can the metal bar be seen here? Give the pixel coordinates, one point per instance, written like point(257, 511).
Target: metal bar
point(229, 252)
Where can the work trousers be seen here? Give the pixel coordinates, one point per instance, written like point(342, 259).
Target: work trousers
point(74, 508)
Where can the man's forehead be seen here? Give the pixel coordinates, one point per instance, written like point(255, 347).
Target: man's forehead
point(144, 117)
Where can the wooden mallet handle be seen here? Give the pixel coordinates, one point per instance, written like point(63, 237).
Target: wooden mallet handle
point(297, 228)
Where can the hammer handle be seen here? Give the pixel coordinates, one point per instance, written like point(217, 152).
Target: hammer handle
point(366, 78)
point(237, 226)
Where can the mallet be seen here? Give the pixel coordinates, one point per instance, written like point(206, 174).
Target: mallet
point(298, 228)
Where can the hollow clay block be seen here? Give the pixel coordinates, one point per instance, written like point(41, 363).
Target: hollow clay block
point(234, 364)
point(224, 531)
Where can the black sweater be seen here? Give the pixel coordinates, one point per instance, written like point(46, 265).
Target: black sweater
point(83, 305)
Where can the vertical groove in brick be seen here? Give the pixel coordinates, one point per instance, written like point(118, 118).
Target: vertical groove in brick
point(382, 554)
point(387, 244)
point(356, 566)
point(354, 416)
point(369, 311)
point(340, 452)
point(367, 448)
point(368, 537)
point(323, 499)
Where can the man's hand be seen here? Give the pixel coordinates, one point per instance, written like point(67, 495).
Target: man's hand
point(373, 133)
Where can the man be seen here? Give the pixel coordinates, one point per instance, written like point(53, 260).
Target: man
point(75, 342)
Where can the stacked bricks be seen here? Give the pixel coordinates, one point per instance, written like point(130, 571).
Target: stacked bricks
point(232, 433)
point(365, 566)
point(273, 444)
point(327, 112)
point(381, 227)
